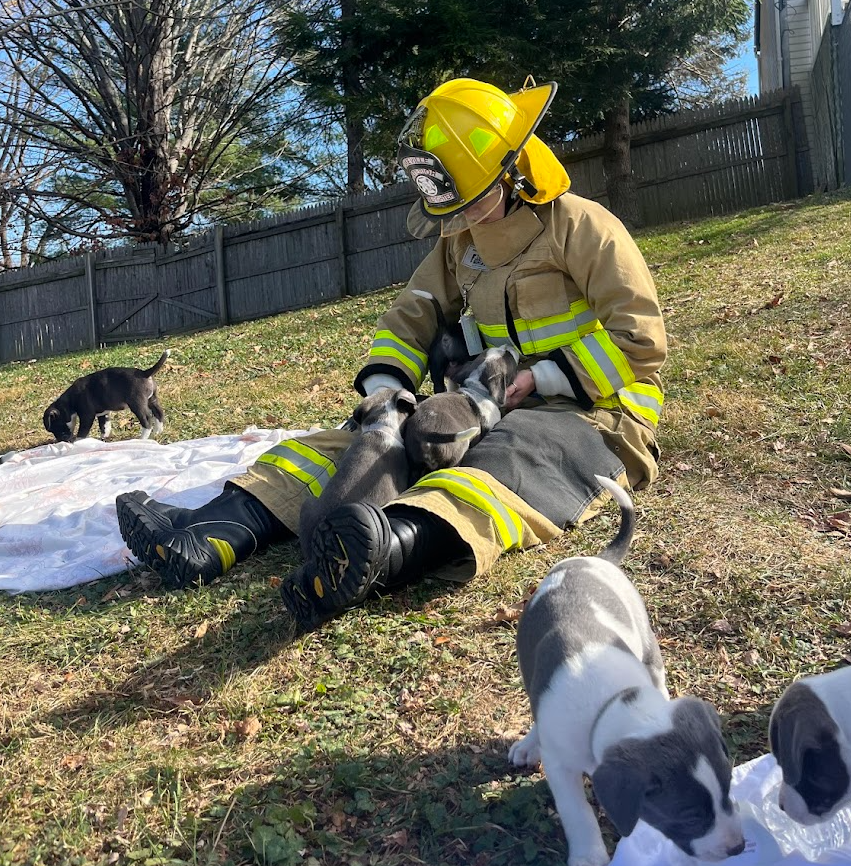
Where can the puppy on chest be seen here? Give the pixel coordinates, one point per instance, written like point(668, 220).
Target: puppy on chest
point(810, 736)
point(593, 672)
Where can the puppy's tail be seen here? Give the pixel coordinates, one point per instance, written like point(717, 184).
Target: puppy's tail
point(151, 371)
point(616, 551)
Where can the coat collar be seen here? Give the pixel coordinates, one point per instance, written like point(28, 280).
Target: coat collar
point(501, 241)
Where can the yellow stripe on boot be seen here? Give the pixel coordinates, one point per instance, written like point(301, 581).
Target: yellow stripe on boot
point(225, 551)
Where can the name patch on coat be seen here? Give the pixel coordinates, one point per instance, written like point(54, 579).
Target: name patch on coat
point(473, 260)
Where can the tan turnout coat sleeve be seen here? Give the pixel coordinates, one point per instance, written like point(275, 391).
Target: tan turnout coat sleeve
point(562, 281)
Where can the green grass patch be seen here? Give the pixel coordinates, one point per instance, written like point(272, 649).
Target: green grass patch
point(142, 726)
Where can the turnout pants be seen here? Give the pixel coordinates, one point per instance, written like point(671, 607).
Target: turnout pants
point(529, 479)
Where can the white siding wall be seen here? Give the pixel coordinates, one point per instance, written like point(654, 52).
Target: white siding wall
point(768, 61)
point(801, 55)
point(819, 19)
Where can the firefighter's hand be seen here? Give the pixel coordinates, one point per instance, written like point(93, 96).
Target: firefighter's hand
point(522, 387)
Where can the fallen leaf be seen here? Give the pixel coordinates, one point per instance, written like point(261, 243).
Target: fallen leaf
point(400, 838)
point(247, 728)
point(660, 562)
point(441, 639)
point(275, 581)
point(722, 625)
point(775, 301)
point(839, 493)
point(751, 657)
point(72, 762)
point(682, 467)
point(506, 613)
point(844, 629)
point(846, 449)
point(202, 629)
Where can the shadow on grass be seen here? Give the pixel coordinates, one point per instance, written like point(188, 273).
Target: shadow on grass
point(456, 805)
point(189, 675)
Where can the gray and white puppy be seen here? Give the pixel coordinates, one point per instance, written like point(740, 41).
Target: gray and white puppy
point(596, 683)
point(446, 425)
point(374, 468)
point(102, 392)
point(810, 736)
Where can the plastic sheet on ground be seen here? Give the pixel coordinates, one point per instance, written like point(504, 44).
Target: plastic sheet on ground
point(771, 838)
point(58, 526)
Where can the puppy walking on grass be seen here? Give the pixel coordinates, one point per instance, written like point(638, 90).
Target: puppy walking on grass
point(596, 682)
point(102, 392)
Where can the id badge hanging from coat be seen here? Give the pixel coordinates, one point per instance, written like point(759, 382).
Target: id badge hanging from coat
point(469, 326)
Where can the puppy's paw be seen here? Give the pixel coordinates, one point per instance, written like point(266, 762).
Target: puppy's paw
point(526, 752)
point(597, 857)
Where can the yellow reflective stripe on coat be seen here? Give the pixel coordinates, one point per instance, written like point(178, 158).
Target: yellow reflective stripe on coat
point(475, 492)
point(301, 461)
point(494, 335)
point(643, 399)
point(386, 344)
point(538, 336)
point(646, 400)
point(604, 362)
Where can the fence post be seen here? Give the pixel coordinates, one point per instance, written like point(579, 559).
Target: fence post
point(221, 284)
point(90, 291)
point(791, 184)
point(340, 220)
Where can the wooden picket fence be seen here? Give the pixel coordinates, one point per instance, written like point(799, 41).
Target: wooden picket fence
point(736, 155)
point(688, 165)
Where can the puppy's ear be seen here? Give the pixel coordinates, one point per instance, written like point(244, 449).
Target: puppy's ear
point(50, 414)
point(467, 435)
point(357, 415)
point(406, 402)
point(620, 783)
point(497, 386)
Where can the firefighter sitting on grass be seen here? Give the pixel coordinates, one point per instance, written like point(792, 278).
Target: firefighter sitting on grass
point(553, 274)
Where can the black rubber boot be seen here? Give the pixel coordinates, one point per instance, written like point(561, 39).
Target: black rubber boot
point(358, 549)
point(196, 545)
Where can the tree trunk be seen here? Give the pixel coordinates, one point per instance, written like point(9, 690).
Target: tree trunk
point(617, 167)
point(355, 127)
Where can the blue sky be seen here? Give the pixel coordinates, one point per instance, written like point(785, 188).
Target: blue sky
point(747, 61)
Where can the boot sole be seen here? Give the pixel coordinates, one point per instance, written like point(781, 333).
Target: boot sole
point(347, 551)
point(172, 553)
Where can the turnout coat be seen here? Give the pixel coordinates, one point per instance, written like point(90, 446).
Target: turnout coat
point(563, 281)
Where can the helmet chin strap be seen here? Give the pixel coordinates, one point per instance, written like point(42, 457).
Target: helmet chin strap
point(520, 182)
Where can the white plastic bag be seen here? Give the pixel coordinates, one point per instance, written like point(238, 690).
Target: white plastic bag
point(771, 837)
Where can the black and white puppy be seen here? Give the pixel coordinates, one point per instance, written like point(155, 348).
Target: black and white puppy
point(810, 736)
point(596, 683)
point(448, 350)
point(447, 425)
point(374, 468)
point(102, 392)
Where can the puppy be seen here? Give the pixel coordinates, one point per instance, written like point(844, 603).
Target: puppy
point(448, 349)
point(374, 469)
point(447, 425)
point(595, 679)
point(102, 392)
point(810, 736)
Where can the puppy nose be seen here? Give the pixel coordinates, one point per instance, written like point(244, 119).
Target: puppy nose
point(736, 849)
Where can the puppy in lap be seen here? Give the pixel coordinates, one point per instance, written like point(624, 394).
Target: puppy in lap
point(596, 683)
point(448, 424)
point(374, 468)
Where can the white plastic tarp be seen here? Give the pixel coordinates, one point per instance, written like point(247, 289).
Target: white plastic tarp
point(58, 526)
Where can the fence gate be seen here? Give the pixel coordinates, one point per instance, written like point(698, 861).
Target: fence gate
point(150, 291)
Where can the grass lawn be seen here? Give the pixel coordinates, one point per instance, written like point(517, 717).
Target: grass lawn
point(144, 726)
